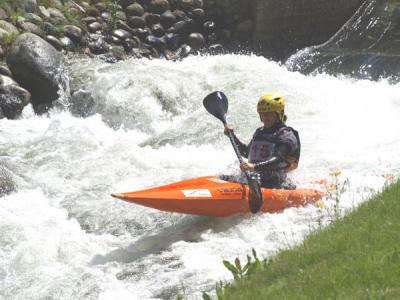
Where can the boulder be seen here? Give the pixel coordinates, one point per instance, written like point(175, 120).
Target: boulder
point(8, 27)
point(13, 98)
point(196, 40)
point(159, 6)
point(7, 184)
point(36, 65)
point(30, 6)
point(134, 10)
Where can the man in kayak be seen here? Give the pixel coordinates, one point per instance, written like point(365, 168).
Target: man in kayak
point(275, 148)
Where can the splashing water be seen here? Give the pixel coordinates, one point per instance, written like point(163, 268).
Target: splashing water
point(62, 236)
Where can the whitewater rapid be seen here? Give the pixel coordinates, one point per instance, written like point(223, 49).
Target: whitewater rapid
point(140, 123)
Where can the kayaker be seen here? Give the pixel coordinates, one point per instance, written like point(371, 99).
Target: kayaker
point(274, 149)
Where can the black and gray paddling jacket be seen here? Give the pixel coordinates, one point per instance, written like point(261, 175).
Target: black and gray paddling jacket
point(274, 151)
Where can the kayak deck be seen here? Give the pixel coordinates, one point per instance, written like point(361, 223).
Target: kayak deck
point(211, 196)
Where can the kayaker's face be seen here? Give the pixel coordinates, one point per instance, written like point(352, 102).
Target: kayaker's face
point(269, 119)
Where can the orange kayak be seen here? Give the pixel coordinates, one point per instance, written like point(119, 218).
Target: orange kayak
point(211, 196)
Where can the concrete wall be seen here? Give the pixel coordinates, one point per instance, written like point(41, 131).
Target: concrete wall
point(279, 27)
point(284, 26)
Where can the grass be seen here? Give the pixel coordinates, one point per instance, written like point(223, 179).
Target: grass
point(356, 257)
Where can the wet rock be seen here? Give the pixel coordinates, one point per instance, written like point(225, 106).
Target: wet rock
point(179, 15)
point(136, 22)
point(73, 32)
point(198, 14)
point(157, 30)
point(1, 52)
point(36, 66)
point(121, 34)
point(67, 43)
point(105, 16)
point(159, 6)
point(142, 33)
point(167, 19)
point(131, 43)
point(7, 185)
point(151, 18)
point(185, 5)
point(122, 25)
point(95, 26)
point(155, 42)
point(212, 37)
point(184, 51)
point(98, 46)
point(118, 52)
point(182, 27)
point(55, 42)
point(134, 10)
point(172, 41)
point(209, 27)
point(196, 40)
point(32, 28)
point(216, 49)
point(172, 29)
point(13, 98)
point(198, 3)
point(4, 70)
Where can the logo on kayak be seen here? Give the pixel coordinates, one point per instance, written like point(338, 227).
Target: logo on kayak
point(197, 193)
point(230, 190)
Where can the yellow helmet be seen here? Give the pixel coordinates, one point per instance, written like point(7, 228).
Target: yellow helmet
point(272, 102)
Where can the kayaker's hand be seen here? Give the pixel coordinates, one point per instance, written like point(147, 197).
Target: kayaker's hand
point(227, 129)
point(247, 167)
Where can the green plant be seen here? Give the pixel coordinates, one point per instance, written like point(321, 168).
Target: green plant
point(8, 38)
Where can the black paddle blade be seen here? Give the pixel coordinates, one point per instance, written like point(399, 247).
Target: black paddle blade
point(255, 196)
point(217, 104)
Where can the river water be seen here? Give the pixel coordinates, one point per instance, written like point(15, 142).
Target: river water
point(140, 123)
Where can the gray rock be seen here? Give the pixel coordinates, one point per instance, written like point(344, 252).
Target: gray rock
point(157, 30)
point(1, 53)
point(172, 41)
point(137, 22)
point(32, 28)
point(7, 184)
point(159, 6)
point(74, 33)
point(185, 5)
point(50, 29)
point(67, 44)
point(196, 40)
point(131, 43)
point(55, 42)
point(56, 16)
point(118, 52)
point(198, 14)
point(30, 6)
point(151, 18)
point(93, 27)
point(126, 3)
point(33, 18)
point(120, 15)
point(134, 10)
point(13, 98)
point(44, 12)
point(89, 20)
point(3, 14)
point(4, 70)
point(92, 12)
point(37, 66)
point(209, 27)
point(105, 16)
point(198, 3)
point(8, 27)
point(101, 6)
point(121, 34)
point(167, 19)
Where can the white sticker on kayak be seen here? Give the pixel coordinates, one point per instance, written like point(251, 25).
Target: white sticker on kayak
point(197, 193)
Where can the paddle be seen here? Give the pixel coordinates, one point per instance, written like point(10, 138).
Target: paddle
point(217, 104)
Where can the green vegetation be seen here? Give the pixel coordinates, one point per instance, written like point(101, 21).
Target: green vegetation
point(8, 38)
point(357, 257)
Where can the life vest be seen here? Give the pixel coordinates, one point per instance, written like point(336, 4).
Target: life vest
point(263, 147)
